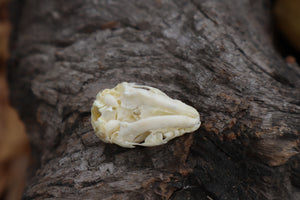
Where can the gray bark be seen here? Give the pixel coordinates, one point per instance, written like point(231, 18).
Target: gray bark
point(217, 56)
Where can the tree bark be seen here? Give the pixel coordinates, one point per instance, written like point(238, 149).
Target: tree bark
point(217, 56)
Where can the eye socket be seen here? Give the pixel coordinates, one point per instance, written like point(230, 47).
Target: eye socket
point(142, 137)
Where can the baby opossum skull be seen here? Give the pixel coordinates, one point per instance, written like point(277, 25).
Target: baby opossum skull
point(131, 114)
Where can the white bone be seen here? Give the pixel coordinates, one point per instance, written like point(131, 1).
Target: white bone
point(131, 114)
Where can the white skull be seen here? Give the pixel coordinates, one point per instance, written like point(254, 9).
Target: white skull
point(131, 114)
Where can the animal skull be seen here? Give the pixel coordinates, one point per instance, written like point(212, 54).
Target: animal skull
point(131, 114)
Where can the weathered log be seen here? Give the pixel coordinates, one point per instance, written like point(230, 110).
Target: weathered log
point(217, 56)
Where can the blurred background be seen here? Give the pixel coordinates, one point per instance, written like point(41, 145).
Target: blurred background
point(286, 20)
point(14, 147)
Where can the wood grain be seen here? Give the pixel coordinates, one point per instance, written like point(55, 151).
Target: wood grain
point(217, 56)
